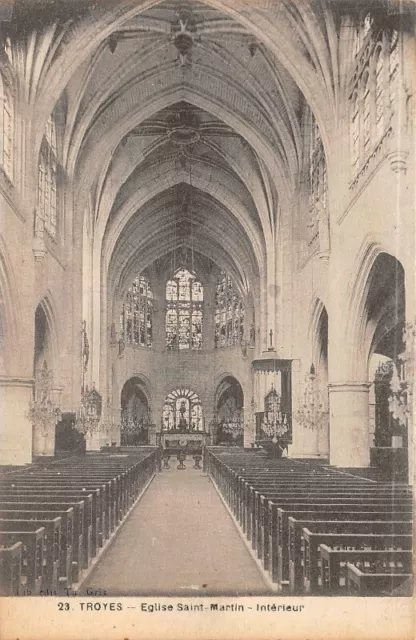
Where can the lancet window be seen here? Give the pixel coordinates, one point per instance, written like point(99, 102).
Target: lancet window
point(184, 311)
point(229, 314)
point(317, 177)
point(136, 315)
point(8, 133)
point(47, 180)
point(374, 88)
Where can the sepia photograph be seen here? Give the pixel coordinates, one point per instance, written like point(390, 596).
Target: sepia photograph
point(207, 319)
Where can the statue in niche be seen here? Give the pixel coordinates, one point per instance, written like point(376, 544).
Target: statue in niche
point(323, 227)
point(121, 347)
point(182, 420)
point(252, 339)
point(113, 335)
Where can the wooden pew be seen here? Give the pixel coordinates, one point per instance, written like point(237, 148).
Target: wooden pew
point(333, 573)
point(327, 493)
point(353, 541)
point(32, 556)
point(34, 500)
point(296, 551)
point(62, 494)
point(66, 540)
point(362, 583)
point(97, 499)
point(10, 569)
point(326, 513)
point(52, 545)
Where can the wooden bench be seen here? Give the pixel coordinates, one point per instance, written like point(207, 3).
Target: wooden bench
point(362, 583)
point(63, 494)
point(32, 556)
point(66, 540)
point(10, 569)
point(336, 494)
point(35, 501)
point(296, 548)
point(98, 509)
point(52, 545)
point(349, 541)
point(333, 574)
point(324, 513)
point(277, 523)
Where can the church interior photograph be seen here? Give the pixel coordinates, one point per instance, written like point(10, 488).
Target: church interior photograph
point(207, 297)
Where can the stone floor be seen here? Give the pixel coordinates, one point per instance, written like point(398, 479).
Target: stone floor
point(179, 540)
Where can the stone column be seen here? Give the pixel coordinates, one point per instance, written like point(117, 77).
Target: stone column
point(92, 441)
point(349, 416)
point(249, 425)
point(44, 439)
point(16, 428)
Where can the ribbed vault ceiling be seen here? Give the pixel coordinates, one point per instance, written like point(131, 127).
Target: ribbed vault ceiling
point(166, 98)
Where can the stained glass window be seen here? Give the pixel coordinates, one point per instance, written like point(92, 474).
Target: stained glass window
point(47, 180)
point(182, 410)
point(136, 313)
point(229, 314)
point(8, 133)
point(184, 313)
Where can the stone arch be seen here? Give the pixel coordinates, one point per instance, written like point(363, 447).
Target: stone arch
point(88, 35)
point(135, 410)
point(47, 328)
point(363, 325)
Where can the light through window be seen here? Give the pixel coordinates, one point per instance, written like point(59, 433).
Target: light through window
point(184, 311)
point(229, 314)
point(47, 180)
point(136, 313)
point(182, 411)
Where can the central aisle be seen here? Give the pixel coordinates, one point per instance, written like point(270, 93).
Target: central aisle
point(178, 540)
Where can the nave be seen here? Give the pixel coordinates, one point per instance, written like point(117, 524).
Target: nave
point(180, 541)
point(245, 524)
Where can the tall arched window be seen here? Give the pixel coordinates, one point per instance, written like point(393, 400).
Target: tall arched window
point(366, 115)
point(47, 179)
point(184, 314)
point(8, 133)
point(393, 68)
point(379, 94)
point(229, 314)
point(317, 176)
point(137, 313)
point(182, 410)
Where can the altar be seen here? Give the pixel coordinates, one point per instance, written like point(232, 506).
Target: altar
point(187, 441)
point(181, 444)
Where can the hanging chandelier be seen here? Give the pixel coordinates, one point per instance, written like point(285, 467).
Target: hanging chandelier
point(44, 409)
point(88, 417)
point(312, 413)
point(401, 384)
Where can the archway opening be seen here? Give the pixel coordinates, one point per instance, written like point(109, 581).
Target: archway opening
point(135, 413)
point(229, 427)
point(385, 323)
